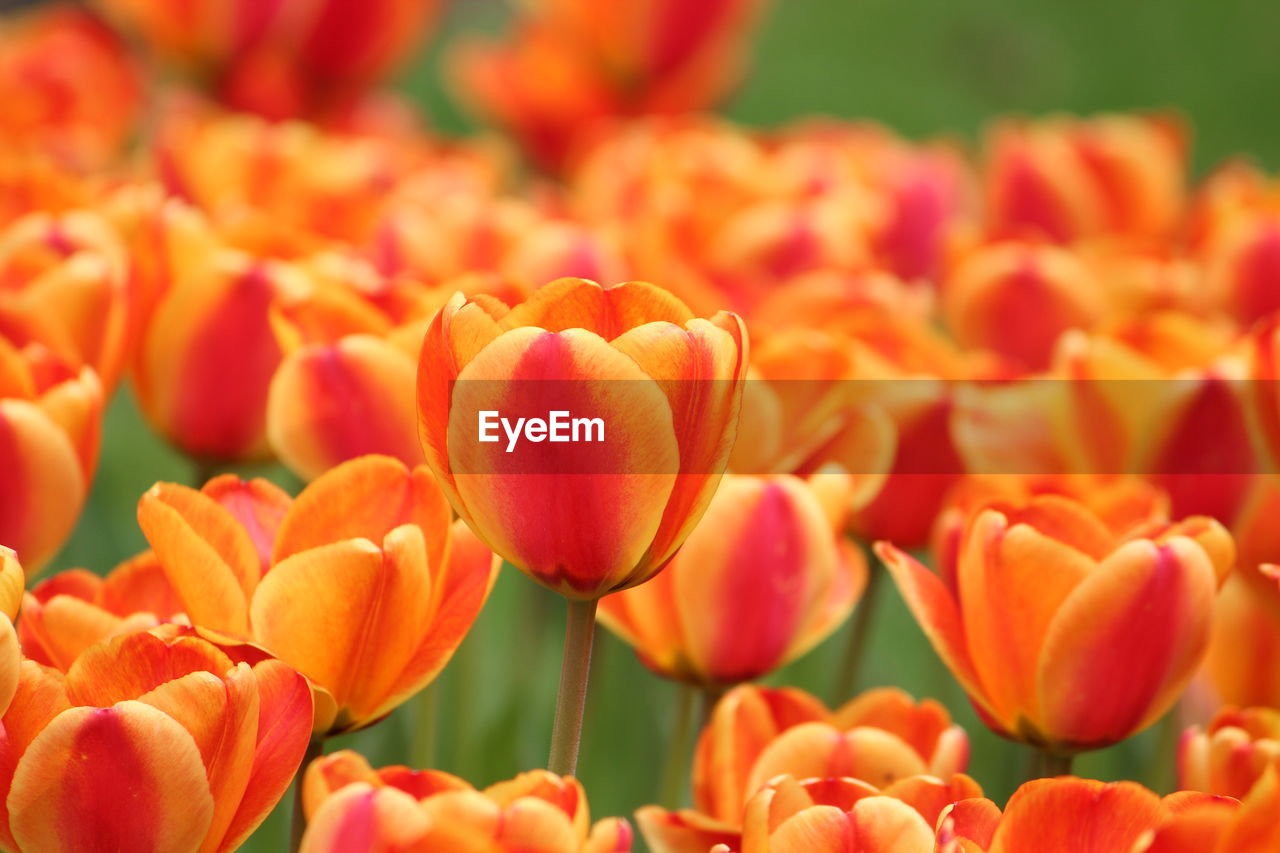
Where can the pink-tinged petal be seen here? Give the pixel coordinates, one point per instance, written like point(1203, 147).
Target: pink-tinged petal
point(973, 821)
point(40, 697)
point(348, 616)
point(684, 831)
point(936, 612)
point(925, 725)
point(363, 818)
point(208, 557)
point(122, 778)
point(701, 369)
point(930, 796)
point(599, 511)
point(283, 729)
point(333, 402)
point(366, 498)
point(874, 825)
point(611, 835)
point(1124, 645)
point(259, 505)
point(1069, 815)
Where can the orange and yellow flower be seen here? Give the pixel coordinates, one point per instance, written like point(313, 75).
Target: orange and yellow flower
point(1232, 753)
point(583, 519)
point(763, 578)
point(397, 808)
point(1064, 635)
point(363, 583)
point(149, 743)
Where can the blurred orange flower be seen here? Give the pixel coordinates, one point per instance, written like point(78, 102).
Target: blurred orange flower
point(593, 518)
point(149, 743)
point(397, 808)
point(883, 739)
point(313, 59)
point(1064, 635)
point(764, 577)
point(363, 583)
point(1232, 753)
point(50, 422)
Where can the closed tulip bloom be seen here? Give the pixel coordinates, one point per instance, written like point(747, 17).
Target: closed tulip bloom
point(368, 590)
point(50, 420)
point(763, 578)
point(354, 809)
point(1064, 635)
point(150, 743)
point(1067, 179)
point(1232, 753)
point(882, 739)
point(667, 386)
point(1017, 298)
point(212, 323)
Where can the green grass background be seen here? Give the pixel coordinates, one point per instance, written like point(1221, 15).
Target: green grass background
point(924, 67)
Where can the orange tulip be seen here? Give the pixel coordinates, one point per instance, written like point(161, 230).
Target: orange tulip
point(1242, 666)
point(70, 272)
point(1066, 179)
point(1017, 298)
point(352, 808)
point(1232, 754)
point(570, 63)
point(762, 579)
point(368, 587)
point(1063, 635)
point(280, 61)
point(1241, 259)
point(12, 579)
point(50, 417)
point(881, 738)
point(1220, 825)
point(68, 84)
point(586, 519)
point(210, 324)
point(149, 743)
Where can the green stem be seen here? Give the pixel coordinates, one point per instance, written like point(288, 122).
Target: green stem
point(1046, 765)
point(423, 739)
point(711, 694)
point(674, 768)
point(571, 701)
point(855, 653)
point(315, 749)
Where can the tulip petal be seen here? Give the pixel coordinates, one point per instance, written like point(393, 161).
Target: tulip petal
point(121, 778)
point(819, 750)
point(360, 817)
point(684, 831)
point(44, 486)
point(1069, 815)
point(1124, 644)
point(132, 665)
point(576, 303)
point(259, 505)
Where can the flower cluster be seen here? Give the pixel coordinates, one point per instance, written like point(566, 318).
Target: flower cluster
point(1033, 383)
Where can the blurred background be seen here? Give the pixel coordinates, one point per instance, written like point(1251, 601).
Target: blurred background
point(923, 67)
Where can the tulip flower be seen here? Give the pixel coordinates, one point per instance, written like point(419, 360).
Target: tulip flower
point(583, 519)
point(1242, 667)
point(70, 274)
point(882, 739)
point(351, 807)
point(275, 61)
point(50, 417)
point(68, 84)
point(149, 743)
point(764, 578)
point(368, 587)
point(1232, 754)
point(1067, 179)
point(1017, 298)
point(1220, 825)
point(12, 579)
point(212, 323)
point(1065, 636)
